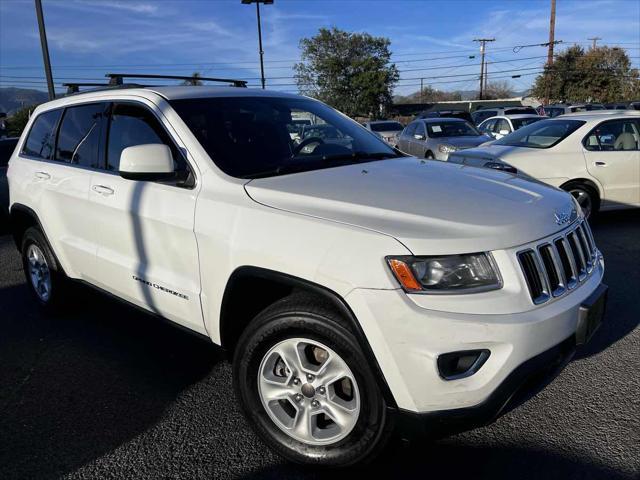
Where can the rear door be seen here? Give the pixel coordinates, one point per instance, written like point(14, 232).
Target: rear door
point(612, 154)
point(148, 253)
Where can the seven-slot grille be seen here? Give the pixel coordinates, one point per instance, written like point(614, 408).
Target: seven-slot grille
point(554, 267)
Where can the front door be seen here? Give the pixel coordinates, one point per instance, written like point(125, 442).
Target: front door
point(148, 254)
point(612, 155)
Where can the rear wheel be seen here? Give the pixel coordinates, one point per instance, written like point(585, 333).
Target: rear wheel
point(44, 276)
point(429, 155)
point(586, 197)
point(306, 387)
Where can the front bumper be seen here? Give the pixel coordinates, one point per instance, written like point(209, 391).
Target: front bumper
point(407, 340)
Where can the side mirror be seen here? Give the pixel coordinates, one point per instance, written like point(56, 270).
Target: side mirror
point(150, 162)
point(501, 166)
point(504, 132)
point(418, 136)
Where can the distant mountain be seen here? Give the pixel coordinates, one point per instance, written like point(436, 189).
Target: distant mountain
point(11, 99)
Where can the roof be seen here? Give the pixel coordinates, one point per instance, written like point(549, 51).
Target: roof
point(515, 116)
point(598, 114)
point(441, 119)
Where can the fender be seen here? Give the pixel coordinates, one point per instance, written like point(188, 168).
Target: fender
point(292, 282)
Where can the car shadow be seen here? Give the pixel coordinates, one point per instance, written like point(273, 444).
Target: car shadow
point(453, 459)
point(617, 235)
point(78, 385)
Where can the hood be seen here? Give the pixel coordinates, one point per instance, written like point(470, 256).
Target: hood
point(431, 207)
point(491, 151)
point(463, 142)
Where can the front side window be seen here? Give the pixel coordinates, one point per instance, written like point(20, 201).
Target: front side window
point(80, 134)
point(41, 139)
point(487, 126)
point(251, 137)
point(502, 126)
point(614, 135)
point(410, 130)
point(132, 125)
point(451, 129)
point(542, 134)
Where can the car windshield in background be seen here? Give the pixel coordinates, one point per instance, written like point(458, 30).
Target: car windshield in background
point(386, 127)
point(451, 129)
point(523, 122)
point(252, 137)
point(542, 134)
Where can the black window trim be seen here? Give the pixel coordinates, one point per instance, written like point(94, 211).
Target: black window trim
point(611, 120)
point(182, 151)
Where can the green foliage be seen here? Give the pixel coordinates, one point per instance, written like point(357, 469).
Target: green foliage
point(600, 74)
point(349, 71)
point(16, 122)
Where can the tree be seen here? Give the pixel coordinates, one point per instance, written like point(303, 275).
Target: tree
point(194, 80)
point(498, 89)
point(349, 71)
point(16, 122)
point(600, 74)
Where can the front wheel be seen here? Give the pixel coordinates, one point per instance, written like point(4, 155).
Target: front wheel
point(306, 387)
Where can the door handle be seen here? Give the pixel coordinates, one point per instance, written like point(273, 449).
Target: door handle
point(42, 175)
point(103, 190)
point(600, 164)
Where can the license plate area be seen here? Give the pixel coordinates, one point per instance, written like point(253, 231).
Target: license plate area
point(590, 314)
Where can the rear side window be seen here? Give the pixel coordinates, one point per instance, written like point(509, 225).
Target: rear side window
point(614, 135)
point(80, 135)
point(41, 139)
point(133, 125)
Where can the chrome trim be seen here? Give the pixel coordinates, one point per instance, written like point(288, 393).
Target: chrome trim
point(582, 255)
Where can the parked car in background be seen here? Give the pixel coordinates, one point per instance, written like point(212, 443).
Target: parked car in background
point(503, 125)
point(461, 114)
point(7, 146)
point(482, 113)
point(436, 138)
point(564, 108)
point(388, 130)
point(593, 155)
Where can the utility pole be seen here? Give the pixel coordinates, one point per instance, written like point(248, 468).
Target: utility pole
point(483, 42)
point(595, 41)
point(552, 42)
point(258, 2)
point(421, 91)
point(45, 50)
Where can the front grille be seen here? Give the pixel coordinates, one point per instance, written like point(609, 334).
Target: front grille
point(554, 267)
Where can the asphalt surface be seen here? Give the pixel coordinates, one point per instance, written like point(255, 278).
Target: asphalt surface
point(104, 391)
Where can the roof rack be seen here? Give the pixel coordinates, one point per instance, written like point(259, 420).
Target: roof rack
point(74, 87)
point(116, 78)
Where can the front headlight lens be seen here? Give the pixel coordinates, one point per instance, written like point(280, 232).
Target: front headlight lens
point(475, 272)
point(447, 148)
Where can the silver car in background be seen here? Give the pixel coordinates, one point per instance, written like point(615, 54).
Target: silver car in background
point(388, 130)
point(436, 138)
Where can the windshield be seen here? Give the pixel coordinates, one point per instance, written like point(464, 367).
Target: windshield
point(541, 134)
point(523, 122)
point(251, 137)
point(386, 127)
point(451, 129)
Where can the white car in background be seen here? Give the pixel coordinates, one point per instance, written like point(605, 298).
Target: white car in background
point(388, 130)
point(593, 155)
point(502, 125)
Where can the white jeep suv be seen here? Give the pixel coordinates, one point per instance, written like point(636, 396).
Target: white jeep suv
point(359, 289)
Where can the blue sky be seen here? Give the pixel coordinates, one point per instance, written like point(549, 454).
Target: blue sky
point(88, 38)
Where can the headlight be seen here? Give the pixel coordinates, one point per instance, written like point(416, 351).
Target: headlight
point(475, 272)
point(447, 148)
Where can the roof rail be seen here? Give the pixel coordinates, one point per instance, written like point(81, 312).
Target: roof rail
point(116, 78)
point(74, 87)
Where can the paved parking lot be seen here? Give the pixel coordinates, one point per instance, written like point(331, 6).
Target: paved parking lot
point(106, 392)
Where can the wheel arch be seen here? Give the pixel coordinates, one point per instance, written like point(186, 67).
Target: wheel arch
point(268, 286)
point(589, 183)
point(22, 218)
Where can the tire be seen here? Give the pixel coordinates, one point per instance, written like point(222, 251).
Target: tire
point(429, 156)
point(38, 261)
point(305, 324)
point(586, 196)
